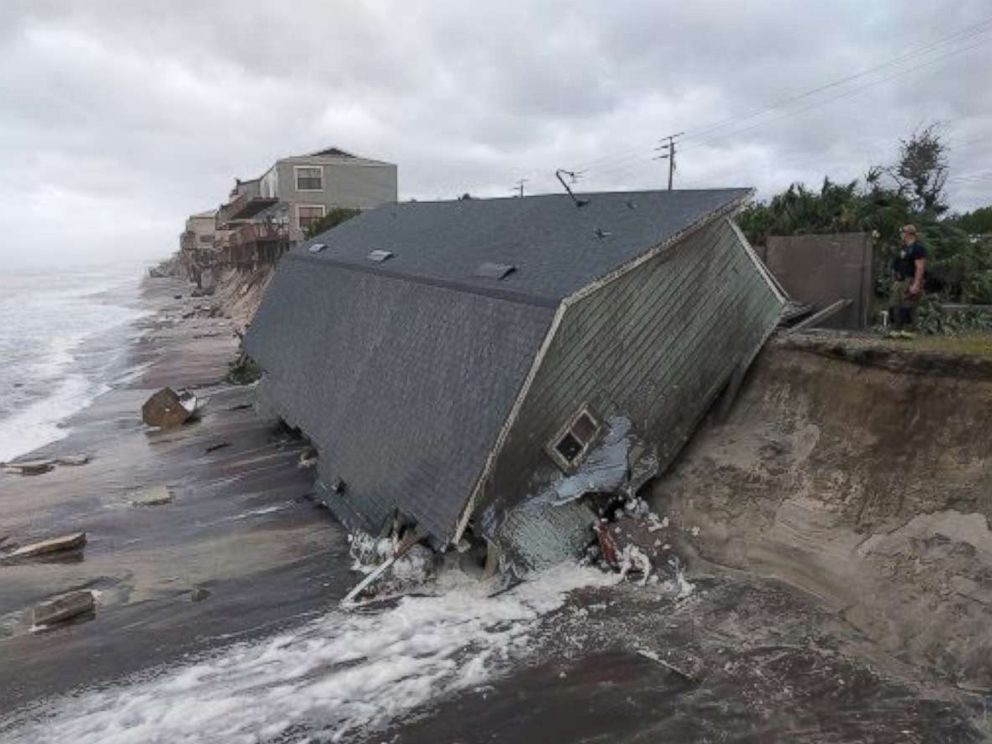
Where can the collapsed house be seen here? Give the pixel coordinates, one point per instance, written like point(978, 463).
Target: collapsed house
point(475, 367)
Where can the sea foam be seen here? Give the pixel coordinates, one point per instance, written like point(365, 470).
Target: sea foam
point(63, 341)
point(336, 678)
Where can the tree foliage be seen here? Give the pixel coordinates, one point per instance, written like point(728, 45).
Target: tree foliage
point(333, 218)
point(911, 191)
point(978, 222)
point(921, 172)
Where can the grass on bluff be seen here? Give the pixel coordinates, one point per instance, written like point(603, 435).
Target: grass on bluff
point(975, 343)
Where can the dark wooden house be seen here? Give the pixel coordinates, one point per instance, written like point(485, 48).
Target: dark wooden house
point(452, 360)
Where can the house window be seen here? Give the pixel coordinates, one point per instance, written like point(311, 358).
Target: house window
point(309, 215)
point(571, 444)
point(207, 239)
point(309, 178)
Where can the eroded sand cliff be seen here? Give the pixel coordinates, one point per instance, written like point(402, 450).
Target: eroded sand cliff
point(863, 477)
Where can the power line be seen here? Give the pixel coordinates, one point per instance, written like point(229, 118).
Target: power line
point(845, 94)
point(962, 33)
point(817, 104)
point(636, 156)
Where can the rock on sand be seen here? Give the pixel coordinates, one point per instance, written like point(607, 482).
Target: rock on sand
point(156, 496)
point(64, 608)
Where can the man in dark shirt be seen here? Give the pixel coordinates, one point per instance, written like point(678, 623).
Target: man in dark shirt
point(908, 268)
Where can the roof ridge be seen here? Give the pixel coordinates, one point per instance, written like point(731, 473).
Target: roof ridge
point(509, 295)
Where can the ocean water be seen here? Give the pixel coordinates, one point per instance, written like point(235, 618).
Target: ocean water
point(63, 341)
point(334, 679)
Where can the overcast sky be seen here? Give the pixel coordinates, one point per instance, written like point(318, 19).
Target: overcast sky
point(119, 118)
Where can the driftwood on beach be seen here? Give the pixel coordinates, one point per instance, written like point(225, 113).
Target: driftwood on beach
point(63, 543)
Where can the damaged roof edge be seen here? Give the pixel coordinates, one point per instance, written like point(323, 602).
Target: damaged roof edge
point(773, 282)
point(511, 418)
point(728, 209)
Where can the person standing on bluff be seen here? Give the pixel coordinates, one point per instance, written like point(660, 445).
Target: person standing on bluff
point(907, 286)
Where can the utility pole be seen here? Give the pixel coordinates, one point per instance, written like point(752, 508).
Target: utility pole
point(669, 145)
point(519, 188)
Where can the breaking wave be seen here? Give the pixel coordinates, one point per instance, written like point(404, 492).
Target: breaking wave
point(339, 677)
point(62, 338)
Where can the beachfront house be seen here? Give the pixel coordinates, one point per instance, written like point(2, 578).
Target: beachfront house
point(268, 214)
point(197, 246)
point(457, 363)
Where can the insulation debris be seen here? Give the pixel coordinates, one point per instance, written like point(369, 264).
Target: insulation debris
point(558, 524)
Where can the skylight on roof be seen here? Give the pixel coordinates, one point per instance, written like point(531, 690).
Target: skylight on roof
point(316, 247)
point(491, 270)
point(380, 256)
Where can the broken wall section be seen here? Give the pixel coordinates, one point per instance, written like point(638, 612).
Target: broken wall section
point(653, 347)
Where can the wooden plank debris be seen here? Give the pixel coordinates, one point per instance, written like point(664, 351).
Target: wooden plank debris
point(666, 664)
point(74, 541)
point(28, 467)
point(64, 608)
point(415, 536)
point(167, 409)
point(819, 316)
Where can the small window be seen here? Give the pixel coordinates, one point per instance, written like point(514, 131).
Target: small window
point(568, 448)
point(316, 247)
point(491, 270)
point(207, 239)
point(584, 427)
point(380, 256)
point(309, 215)
point(309, 178)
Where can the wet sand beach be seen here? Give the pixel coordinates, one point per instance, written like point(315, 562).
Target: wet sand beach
point(241, 525)
point(217, 613)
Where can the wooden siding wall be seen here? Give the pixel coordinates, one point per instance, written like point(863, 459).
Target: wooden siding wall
point(657, 345)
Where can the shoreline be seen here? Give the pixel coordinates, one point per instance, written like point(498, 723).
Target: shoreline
point(241, 525)
point(741, 658)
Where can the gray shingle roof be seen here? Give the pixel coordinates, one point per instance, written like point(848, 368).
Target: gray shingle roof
point(403, 387)
point(555, 247)
point(403, 371)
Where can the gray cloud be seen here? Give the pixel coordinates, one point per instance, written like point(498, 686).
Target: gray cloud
point(119, 118)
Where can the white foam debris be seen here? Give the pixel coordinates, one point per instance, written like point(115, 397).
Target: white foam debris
point(635, 559)
point(339, 677)
point(414, 566)
point(655, 523)
point(679, 584)
point(368, 552)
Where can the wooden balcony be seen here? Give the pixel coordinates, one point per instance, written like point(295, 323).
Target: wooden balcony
point(243, 207)
point(256, 243)
point(258, 232)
